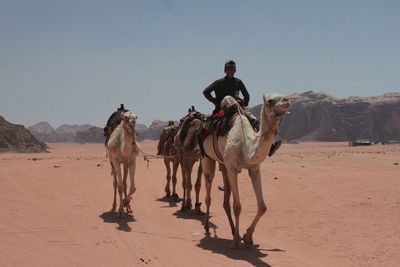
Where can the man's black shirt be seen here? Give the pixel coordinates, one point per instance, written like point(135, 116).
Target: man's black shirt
point(224, 87)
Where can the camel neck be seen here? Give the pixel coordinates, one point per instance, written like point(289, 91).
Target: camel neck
point(264, 140)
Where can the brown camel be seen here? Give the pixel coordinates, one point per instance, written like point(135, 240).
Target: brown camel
point(167, 149)
point(189, 153)
point(242, 148)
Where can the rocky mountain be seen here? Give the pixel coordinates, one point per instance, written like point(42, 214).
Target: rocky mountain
point(91, 135)
point(321, 117)
point(153, 132)
point(88, 134)
point(16, 138)
point(65, 133)
point(44, 132)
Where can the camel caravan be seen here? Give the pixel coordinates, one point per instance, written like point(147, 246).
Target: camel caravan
point(227, 138)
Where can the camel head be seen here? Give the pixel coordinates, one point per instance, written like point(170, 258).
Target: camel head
point(275, 104)
point(129, 118)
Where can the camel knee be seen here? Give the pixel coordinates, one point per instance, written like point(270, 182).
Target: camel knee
point(227, 206)
point(120, 189)
point(262, 209)
point(198, 185)
point(208, 201)
point(237, 208)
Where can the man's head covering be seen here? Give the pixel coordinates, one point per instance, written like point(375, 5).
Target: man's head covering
point(230, 64)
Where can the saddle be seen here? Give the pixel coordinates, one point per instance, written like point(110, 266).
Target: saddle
point(220, 123)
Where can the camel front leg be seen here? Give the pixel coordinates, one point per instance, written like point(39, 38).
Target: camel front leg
point(197, 187)
point(227, 196)
point(126, 204)
point(255, 176)
point(189, 187)
point(183, 185)
point(167, 190)
point(132, 186)
point(175, 165)
point(237, 206)
point(208, 167)
point(115, 184)
point(120, 185)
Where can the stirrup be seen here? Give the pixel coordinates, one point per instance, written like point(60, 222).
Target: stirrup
point(275, 146)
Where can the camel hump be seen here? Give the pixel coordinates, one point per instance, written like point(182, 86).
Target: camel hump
point(229, 103)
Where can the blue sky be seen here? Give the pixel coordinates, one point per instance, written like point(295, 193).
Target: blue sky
point(76, 61)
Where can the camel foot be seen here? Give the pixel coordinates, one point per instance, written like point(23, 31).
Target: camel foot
point(121, 214)
point(207, 228)
point(183, 208)
point(168, 195)
point(128, 209)
point(189, 204)
point(125, 201)
point(236, 244)
point(237, 240)
point(114, 208)
point(248, 239)
point(175, 196)
point(198, 210)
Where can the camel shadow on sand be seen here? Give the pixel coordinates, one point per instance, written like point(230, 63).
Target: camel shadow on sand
point(218, 245)
point(172, 202)
point(191, 215)
point(111, 217)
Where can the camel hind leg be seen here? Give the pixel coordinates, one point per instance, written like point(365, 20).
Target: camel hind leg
point(255, 176)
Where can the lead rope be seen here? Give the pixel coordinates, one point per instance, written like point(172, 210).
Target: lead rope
point(147, 157)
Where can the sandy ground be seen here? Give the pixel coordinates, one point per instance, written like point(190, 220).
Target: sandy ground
point(328, 205)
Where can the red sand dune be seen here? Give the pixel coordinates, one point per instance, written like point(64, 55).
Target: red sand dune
point(328, 205)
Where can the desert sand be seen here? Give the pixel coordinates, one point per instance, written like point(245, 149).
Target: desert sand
point(328, 205)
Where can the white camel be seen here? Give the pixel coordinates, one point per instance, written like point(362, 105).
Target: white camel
point(123, 149)
point(243, 148)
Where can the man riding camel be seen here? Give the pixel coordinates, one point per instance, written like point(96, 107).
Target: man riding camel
point(232, 86)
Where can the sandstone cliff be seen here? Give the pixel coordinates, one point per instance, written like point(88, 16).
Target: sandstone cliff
point(16, 138)
point(321, 117)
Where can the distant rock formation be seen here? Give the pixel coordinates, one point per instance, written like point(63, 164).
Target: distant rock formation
point(16, 138)
point(321, 117)
point(91, 135)
point(65, 133)
point(88, 134)
point(153, 132)
point(43, 131)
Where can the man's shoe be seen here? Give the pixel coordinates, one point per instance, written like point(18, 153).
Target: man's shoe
point(275, 146)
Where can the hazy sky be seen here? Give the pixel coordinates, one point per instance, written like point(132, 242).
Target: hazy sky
point(76, 61)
